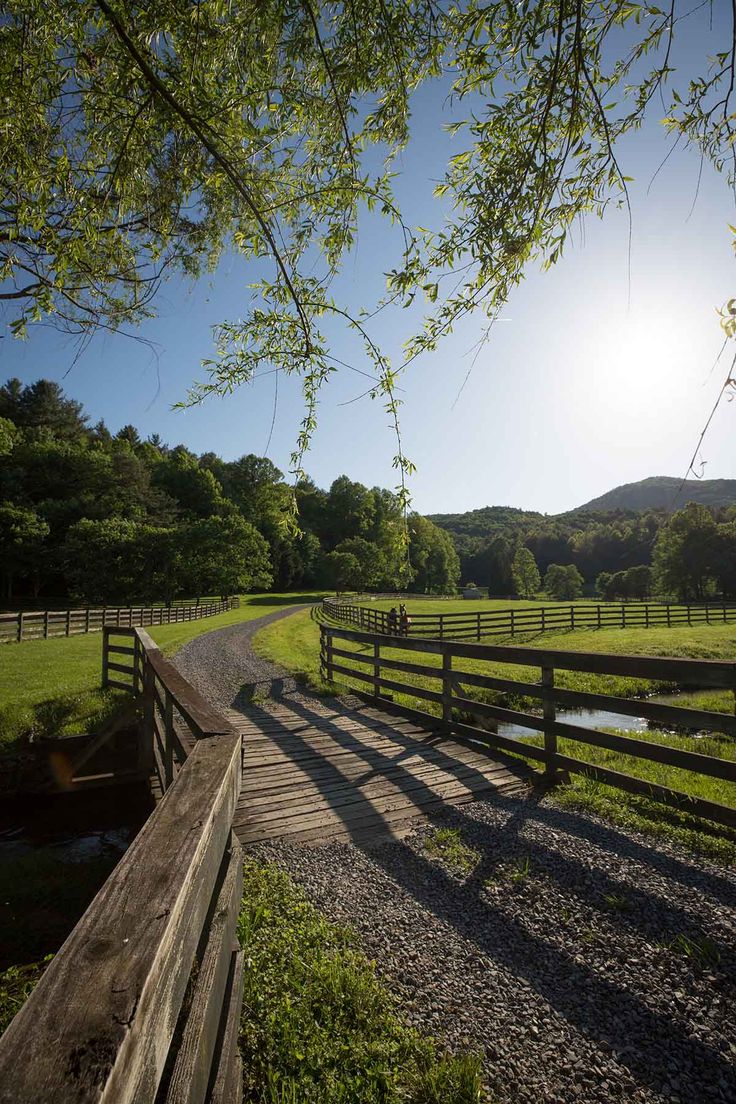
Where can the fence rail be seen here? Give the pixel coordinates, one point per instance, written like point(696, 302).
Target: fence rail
point(451, 689)
point(475, 625)
point(41, 624)
point(142, 1003)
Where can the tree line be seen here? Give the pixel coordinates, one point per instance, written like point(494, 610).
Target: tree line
point(693, 559)
point(98, 517)
point(617, 555)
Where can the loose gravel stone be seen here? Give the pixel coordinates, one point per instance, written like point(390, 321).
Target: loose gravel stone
point(223, 667)
point(567, 957)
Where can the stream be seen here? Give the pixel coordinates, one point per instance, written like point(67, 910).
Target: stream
point(602, 718)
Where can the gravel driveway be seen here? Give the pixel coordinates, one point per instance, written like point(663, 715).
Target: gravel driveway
point(586, 963)
point(223, 667)
point(567, 955)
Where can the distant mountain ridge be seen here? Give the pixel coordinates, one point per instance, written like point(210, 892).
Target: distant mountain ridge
point(663, 492)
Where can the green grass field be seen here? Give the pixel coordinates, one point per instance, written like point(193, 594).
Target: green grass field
point(53, 686)
point(295, 644)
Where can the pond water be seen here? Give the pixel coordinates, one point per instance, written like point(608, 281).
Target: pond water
point(55, 853)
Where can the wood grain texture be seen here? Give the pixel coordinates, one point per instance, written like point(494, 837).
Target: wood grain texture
point(197, 1049)
point(313, 771)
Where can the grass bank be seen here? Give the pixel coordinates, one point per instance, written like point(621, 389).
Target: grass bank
point(295, 645)
point(318, 1026)
point(52, 687)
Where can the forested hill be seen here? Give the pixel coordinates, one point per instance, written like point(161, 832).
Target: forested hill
point(486, 521)
point(593, 538)
point(664, 492)
point(98, 517)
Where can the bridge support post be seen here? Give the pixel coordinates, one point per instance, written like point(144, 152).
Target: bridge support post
point(146, 728)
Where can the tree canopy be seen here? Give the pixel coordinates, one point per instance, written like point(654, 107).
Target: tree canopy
point(105, 518)
point(155, 136)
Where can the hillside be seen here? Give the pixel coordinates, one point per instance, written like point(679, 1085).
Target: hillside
point(485, 521)
point(664, 492)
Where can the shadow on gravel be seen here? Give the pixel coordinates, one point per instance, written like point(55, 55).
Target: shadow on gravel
point(653, 1045)
point(591, 994)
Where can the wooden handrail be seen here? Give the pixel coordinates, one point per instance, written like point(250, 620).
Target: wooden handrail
point(108, 1020)
point(450, 689)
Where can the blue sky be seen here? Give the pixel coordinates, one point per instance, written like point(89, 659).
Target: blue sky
point(576, 392)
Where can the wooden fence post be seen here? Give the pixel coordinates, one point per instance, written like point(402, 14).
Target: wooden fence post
point(572, 617)
point(168, 738)
point(549, 713)
point(46, 625)
point(68, 621)
point(86, 620)
point(599, 615)
point(376, 667)
point(146, 729)
point(446, 685)
point(105, 654)
point(513, 627)
point(20, 627)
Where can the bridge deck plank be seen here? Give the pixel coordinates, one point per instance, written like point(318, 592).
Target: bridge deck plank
point(313, 772)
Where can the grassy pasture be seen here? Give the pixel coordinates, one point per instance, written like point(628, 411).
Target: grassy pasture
point(295, 645)
point(53, 686)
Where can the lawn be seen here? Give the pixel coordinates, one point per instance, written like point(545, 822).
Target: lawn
point(53, 686)
point(295, 645)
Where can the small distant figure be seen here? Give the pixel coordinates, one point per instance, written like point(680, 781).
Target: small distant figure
point(393, 621)
point(404, 620)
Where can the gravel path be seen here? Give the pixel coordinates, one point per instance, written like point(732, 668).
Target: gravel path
point(223, 667)
point(586, 963)
point(562, 956)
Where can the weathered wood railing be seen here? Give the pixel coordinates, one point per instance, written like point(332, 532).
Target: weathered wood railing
point(41, 624)
point(476, 624)
point(142, 1003)
point(357, 657)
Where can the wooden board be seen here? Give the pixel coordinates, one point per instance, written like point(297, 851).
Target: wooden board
point(314, 772)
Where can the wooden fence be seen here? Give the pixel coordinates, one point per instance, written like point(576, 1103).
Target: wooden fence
point(474, 625)
point(451, 689)
point(142, 1003)
point(41, 624)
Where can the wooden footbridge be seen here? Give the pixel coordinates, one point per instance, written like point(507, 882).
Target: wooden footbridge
point(317, 772)
point(142, 1003)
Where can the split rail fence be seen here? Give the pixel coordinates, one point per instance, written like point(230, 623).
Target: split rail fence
point(142, 1003)
point(370, 660)
point(474, 625)
point(41, 624)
